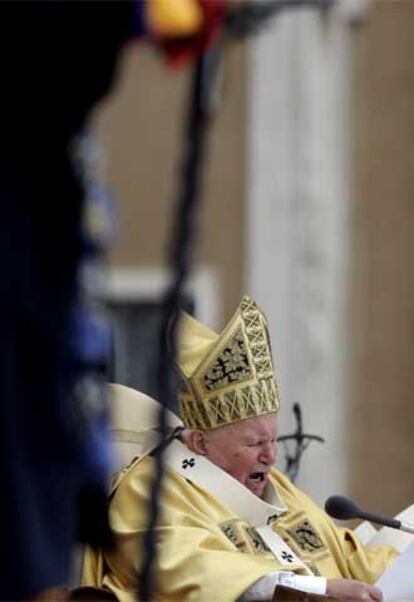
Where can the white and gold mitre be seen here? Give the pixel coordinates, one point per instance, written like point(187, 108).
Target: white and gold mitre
point(228, 377)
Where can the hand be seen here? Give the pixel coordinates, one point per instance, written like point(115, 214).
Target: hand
point(349, 590)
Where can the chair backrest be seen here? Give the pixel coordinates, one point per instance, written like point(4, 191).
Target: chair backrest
point(134, 424)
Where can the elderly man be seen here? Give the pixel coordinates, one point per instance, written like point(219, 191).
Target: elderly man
point(232, 527)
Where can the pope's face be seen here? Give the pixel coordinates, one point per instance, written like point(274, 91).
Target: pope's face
point(245, 449)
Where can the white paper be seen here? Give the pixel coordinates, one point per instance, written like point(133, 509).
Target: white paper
point(397, 584)
point(392, 537)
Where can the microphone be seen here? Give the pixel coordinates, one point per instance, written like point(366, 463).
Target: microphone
point(342, 508)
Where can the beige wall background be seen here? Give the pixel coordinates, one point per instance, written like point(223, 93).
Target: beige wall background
point(141, 126)
point(382, 285)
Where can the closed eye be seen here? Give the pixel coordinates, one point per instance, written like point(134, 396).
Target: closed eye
point(261, 442)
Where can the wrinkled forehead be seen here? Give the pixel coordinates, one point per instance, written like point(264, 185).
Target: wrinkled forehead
point(259, 426)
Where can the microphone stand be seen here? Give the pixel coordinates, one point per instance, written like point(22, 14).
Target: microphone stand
point(342, 508)
point(384, 521)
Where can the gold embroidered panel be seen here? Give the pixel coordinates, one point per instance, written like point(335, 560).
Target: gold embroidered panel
point(231, 366)
point(306, 537)
point(244, 537)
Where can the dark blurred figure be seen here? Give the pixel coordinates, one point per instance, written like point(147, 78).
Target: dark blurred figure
point(57, 60)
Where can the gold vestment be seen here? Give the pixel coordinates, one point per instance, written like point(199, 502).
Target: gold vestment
point(207, 554)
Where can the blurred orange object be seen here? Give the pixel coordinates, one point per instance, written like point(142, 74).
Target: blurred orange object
point(171, 19)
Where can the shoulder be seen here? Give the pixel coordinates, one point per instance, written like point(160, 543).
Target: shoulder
point(130, 499)
point(135, 483)
point(134, 467)
point(141, 470)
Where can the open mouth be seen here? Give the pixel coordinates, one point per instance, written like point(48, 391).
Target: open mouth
point(257, 477)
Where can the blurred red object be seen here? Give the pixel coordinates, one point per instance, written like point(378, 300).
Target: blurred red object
point(207, 17)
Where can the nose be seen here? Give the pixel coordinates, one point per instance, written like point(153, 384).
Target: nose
point(268, 453)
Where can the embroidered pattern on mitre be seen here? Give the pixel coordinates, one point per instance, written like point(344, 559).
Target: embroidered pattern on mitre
point(235, 379)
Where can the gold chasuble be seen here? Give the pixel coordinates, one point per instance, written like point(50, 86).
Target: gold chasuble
point(206, 553)
point(215, 538)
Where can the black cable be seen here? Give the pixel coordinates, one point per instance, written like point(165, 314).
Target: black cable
point(181, 243)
